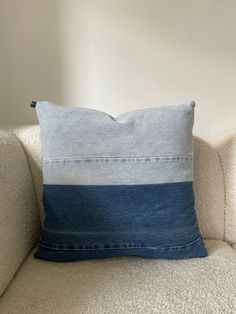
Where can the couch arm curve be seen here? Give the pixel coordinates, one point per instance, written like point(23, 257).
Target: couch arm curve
point(19, 217)
point(209, 190)
point(226, 148)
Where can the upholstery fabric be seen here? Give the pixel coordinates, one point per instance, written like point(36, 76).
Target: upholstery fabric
point(127, 285)
point(118, 186)
point(19, 220)
point(226, 147)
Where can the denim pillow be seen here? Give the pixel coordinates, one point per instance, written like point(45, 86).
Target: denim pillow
point(118, 186)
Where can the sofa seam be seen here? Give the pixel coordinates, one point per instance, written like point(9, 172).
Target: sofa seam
point(224, 191)
point(17, 271)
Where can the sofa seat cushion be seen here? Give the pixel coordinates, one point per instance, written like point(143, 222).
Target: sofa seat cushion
point(126, 285)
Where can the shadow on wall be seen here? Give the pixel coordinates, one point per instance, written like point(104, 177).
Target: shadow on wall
point(30, 58)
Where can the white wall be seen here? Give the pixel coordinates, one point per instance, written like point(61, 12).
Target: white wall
point(118, 55)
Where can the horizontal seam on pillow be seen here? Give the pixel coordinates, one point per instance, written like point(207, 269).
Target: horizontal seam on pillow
point(130, 158)
point(177, 247)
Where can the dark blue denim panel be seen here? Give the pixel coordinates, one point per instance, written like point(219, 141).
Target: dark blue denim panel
point(153, 220)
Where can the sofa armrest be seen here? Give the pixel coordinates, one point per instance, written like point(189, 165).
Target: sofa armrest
point(19, 217)
point(226, 148)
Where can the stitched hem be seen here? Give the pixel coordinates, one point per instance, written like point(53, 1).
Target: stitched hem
point(99, 247)
point(122, 158)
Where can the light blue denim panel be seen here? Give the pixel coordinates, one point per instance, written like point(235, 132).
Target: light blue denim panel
point(67, 132)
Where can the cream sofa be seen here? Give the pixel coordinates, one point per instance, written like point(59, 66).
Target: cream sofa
point(117, 285)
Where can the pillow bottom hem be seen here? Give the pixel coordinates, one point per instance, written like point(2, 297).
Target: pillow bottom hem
point(196, 250)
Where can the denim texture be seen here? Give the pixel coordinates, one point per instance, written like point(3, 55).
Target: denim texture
point(108, 170)
point(118, 186)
